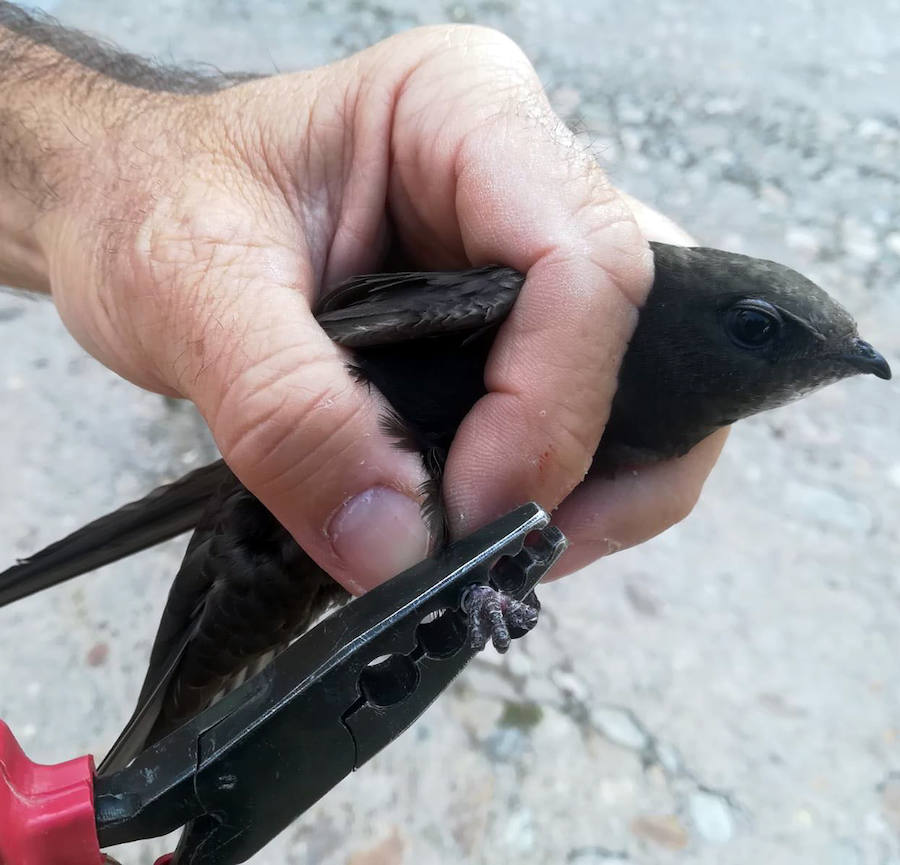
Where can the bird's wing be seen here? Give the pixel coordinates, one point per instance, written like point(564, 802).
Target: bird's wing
point(184, 605)
point(390, 308)
point(164, 513)
point(244, 589)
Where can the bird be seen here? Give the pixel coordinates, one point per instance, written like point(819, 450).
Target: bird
point(720, 337)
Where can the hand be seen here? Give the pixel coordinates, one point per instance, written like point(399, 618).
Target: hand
point(189, 236)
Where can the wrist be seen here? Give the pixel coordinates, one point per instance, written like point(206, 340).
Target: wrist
point(58, 121)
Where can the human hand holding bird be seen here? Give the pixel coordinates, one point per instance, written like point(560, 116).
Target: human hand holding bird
point(188, 252)
point(186, 231)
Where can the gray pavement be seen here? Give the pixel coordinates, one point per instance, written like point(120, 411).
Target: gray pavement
point(738, 699)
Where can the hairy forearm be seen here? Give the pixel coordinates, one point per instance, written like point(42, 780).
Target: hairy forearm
point(63, 98)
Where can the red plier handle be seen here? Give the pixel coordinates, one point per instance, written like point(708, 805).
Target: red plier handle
point(46, 812)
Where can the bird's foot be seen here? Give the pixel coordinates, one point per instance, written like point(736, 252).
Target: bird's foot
point(497, 616)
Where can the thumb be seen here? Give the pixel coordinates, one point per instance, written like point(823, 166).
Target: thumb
point(303, 435)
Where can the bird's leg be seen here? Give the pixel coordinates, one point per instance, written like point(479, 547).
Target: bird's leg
point(493, 614)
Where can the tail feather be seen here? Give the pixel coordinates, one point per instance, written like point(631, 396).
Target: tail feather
point(139, 728)
point(143, 727)
point(165, 513)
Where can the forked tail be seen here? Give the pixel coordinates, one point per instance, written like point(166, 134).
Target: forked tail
point(164, 513)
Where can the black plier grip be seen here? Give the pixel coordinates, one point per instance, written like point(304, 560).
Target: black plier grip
point(242, 770)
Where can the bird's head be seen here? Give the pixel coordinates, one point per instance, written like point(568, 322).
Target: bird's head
point(723, 336)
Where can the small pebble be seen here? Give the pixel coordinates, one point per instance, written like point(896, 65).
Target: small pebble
point(665, 830)
point(894, 474)
point(570, 684)
point(620, 727)
point(712, 817)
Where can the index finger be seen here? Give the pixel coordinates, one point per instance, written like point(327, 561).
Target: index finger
point(528, 197)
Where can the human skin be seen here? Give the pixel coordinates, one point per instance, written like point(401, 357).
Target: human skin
point(185, 236)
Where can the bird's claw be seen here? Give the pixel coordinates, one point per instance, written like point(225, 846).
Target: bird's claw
point(494, 615)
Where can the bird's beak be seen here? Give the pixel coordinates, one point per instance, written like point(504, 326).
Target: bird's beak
point(864, 358)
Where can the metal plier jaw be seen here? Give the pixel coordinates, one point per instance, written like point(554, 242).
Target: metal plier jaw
point(242, 770)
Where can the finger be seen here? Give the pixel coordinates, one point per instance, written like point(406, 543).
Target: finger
point(551, 376)
point(527, 196)
point(291, 422)
point(488, 174)
point(605, 515)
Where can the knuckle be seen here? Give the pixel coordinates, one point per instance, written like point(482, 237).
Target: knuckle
point(478, 40)
point(576, 443)
point(675, 505)
point(609, 239)
point(491, 42)
point(564, 444)
point(487, 58)
point(280, 429)
point(620, 252)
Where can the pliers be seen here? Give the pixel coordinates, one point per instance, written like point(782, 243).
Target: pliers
point(239, 772)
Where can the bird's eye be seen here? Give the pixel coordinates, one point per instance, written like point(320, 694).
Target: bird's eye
point(753, 323)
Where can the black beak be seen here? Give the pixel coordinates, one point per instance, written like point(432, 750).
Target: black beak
point(864, 358)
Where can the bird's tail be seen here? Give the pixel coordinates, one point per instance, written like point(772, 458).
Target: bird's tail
point(144, 727)
point(166, 512)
